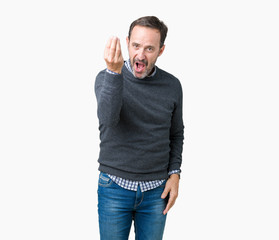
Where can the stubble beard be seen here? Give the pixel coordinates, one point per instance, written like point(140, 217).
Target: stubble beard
point(148, 71)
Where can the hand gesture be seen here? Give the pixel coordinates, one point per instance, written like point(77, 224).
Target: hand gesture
point(113, 55)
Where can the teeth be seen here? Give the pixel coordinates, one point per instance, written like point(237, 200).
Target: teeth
point(139, 66)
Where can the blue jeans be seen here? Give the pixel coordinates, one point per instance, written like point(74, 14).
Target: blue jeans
point(117, 207)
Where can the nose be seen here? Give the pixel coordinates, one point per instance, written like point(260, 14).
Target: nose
point(141, 55)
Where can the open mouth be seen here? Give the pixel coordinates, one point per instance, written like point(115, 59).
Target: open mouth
point(139, 66)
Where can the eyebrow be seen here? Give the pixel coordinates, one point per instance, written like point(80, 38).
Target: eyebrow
point(135, 43)
point(148, 46)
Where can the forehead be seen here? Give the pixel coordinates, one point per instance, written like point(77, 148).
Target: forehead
point(145, 36)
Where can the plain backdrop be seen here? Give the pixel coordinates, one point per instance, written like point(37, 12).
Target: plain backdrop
point(225, 54)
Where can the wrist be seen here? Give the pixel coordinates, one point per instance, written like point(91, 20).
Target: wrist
point(115, 72)
point(175, 176)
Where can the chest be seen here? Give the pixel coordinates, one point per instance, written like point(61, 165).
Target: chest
point(148, 103)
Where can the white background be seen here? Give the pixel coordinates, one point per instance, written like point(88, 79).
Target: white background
point(226, 55)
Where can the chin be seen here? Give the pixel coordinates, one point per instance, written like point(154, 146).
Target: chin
point(140, 76)
point(143, 75)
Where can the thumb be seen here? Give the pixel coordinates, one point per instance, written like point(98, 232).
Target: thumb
point(165, 193)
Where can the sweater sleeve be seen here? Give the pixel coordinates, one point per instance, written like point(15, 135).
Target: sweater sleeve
point(176, 135)
point(108, 90)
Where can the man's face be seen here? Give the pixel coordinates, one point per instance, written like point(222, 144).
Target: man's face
point(144, 49)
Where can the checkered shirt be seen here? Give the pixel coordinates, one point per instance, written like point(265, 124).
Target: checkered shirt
point(144, 185)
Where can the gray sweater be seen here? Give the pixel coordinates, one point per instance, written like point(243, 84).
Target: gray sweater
point(140, 123)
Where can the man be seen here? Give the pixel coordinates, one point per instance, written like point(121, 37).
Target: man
point(141, 132)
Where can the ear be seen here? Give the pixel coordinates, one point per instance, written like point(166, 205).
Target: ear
point(127, 41)
point(161, 50)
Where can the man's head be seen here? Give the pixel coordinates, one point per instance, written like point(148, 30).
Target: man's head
point(145, 43)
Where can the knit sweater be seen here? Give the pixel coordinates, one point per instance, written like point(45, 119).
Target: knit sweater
point(140, 123)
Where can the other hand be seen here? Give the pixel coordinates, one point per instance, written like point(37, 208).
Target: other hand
point(171, 188)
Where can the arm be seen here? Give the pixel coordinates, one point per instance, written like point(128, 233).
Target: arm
point(176, 144)
point(108, 87)
point(176, 134)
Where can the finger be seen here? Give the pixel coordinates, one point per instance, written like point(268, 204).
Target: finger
point(107, 47)
point(112, 48)
point(169, 205)
point(118, 50)
point(165, 193)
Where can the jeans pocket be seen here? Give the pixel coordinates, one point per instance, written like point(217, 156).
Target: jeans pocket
point(104, 180)
point(163, 184)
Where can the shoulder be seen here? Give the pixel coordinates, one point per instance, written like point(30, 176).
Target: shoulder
point(170, 79)
point(99, 80)
point(100, 74)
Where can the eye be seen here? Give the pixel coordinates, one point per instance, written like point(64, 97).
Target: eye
point(135, 45)
point(150, 49)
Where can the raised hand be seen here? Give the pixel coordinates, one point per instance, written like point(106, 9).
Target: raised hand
point(113, 55)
